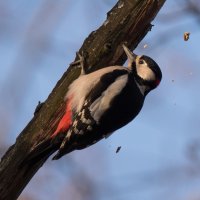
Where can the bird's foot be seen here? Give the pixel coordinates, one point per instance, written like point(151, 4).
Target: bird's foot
point(80, 62)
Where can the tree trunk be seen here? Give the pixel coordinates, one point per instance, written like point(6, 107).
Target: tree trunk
point(128, 21)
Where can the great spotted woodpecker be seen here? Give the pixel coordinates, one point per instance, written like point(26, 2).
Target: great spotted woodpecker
point(99, 103)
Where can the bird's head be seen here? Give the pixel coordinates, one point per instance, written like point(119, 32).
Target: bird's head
point(145, 70)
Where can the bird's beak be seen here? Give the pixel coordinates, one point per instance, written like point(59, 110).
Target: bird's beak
point(130, 55)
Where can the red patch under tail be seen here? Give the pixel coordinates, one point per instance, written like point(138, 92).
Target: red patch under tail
point(66, 120)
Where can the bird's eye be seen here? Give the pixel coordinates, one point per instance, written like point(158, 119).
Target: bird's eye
point(141, 62)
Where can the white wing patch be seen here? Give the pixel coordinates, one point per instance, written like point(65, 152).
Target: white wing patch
point(80, 88)
point(101, 104)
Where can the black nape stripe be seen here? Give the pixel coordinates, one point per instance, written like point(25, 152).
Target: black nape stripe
point(141, 81)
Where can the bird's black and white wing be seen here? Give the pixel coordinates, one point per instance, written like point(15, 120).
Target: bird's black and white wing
point(86, 128)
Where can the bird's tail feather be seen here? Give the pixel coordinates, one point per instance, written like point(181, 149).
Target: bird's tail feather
point(41, 152)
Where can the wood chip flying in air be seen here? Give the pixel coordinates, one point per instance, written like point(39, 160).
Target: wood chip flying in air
point(186, 36)
point(118, 149)
point(145, 46)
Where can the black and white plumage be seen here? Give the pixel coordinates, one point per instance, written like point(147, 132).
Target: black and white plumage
point(101, 102)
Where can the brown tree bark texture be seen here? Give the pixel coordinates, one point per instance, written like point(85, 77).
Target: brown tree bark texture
point(128, 21)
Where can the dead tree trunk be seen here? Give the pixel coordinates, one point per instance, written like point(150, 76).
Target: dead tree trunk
point(129, 20)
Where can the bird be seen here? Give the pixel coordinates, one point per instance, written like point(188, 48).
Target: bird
point(99, 103)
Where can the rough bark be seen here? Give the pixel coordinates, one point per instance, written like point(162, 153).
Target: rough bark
point(128, 21)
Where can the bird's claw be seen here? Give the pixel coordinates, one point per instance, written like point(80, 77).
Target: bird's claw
point(80, 61)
